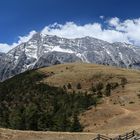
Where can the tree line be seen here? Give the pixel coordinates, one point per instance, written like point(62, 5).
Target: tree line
point(28, 104)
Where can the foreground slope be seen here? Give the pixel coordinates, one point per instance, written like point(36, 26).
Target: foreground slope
point(115, 113)
point(7, 134)
point(118, 112)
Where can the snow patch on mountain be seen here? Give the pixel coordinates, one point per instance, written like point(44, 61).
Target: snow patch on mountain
point(58, 49)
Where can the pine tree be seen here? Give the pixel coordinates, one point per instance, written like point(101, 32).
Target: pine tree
point(99, 87)
point(62, 123)
point(79, 86)
point(76, 126)
point(64, 87)
point(69, 86)
point(108, 89)
point(123, 81)
point(15, 120)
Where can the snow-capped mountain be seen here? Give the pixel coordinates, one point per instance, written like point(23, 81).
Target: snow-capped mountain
point(45, 50)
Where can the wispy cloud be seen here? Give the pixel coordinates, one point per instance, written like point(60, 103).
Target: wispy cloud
point(97, 30)
point(101, 17)
point(115, 30)
point(6, 47)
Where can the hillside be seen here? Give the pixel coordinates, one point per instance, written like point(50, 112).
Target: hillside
point(70, 94)
point(26, 103)
point(117, 113)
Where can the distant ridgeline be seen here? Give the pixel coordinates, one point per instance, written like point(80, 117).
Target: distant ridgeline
point(46, 50)
point(28, 104)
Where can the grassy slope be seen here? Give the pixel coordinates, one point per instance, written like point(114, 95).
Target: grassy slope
point(86, 74)
point(117, 113)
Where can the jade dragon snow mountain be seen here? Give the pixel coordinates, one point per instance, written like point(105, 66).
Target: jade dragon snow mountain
point(45, 50)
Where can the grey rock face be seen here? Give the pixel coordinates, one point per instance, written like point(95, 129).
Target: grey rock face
point(48, 50)
point(1, 54)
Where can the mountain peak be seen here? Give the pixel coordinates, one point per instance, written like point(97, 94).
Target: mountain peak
point(47, 50)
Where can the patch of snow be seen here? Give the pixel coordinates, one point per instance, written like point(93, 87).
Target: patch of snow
point(16, 57)
point(108, 52)
point(58, 49)
point(97, 52)
point(120, 54)
point(31, 51)
point(83, 58)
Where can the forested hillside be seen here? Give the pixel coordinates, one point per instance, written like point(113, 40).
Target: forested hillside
point(28, 104)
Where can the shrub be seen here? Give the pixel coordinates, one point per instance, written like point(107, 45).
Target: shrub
point(79, 86)
point(108, 89)
point(131, 102)
point(99, 87)
point(93, 89)
point(76, 126)
point(69, 86)
point(64, 87)
point(138, 95)
point(123, 81)
point(114, 85)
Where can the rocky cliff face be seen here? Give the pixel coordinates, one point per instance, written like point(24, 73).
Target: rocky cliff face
point(45, 50)
point(1, 54)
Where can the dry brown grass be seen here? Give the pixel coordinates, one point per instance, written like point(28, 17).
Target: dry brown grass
point(7, 134)
point(86, 74)
point(117, 113)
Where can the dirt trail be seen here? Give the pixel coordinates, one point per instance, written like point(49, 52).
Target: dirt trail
point(8, 134)
point(126, 112)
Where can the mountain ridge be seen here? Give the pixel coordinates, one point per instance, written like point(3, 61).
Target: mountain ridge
point(45, 50)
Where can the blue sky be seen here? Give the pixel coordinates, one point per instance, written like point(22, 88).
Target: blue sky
point(19, 17)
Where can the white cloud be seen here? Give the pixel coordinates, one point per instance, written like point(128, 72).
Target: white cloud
point(130, 29)
point(115, 30)
point(114, 21)
point(101, 17)
point(26, 38)
point(72, 30)
point(6, 47)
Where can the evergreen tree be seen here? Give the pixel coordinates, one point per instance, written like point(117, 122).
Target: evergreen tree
point(32, 117)
point(64, 87)
point(62, 123)
point(93, 89)
point(69, 86)
point(108, 89)
point(123, 81)
point(79, 86)
point(15, 120)
point(76, 126)
point(99, 87)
